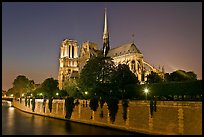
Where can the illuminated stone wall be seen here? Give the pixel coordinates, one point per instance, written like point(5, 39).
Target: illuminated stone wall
point(68, 61)
point(171, 117)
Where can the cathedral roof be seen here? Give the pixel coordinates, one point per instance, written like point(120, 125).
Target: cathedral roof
point(123, 49)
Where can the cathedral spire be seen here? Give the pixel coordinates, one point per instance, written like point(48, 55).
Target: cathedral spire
point(106, 46)
point(105, 32)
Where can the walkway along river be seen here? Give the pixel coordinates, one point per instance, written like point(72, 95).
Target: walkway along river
point(170, 118)
point(16, 122)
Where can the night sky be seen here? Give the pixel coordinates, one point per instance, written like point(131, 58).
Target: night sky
point(167, 33)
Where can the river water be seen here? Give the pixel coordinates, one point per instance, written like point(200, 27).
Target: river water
point(16, 122)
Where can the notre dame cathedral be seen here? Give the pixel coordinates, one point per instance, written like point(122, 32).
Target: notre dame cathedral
point(72, 62)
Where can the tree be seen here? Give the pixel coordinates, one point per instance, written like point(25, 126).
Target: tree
point(31, 87)
point(49, 87)
point(167, 77)
point(192, 75)
point(153, 77)
point(20, 85)
point(71, 87)
point(96, 75)
point(181, 75)
point(10, 91)
point(121, 78)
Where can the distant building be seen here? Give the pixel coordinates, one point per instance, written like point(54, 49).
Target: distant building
point(71, 64)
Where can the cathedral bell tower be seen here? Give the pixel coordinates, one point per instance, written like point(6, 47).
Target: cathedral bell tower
point(106, 46)
point(68, 61)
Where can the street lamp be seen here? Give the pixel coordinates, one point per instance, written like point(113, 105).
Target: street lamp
point(146, 92)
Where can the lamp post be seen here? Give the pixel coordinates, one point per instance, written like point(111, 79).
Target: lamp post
point(146, 92)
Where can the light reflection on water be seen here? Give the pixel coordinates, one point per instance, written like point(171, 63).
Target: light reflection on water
point(15, 122)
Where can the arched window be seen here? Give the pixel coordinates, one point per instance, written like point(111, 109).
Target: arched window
point(69, 50)
point(133, 65)
point(72, 51)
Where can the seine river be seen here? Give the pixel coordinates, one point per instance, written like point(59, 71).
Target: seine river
point(16, 122)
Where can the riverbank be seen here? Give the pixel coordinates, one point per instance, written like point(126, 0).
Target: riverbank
point(171, 118)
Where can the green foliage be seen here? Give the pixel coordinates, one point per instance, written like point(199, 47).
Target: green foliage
point(47, 89)
point(191, 88)
point(71, 87)
point(93, 104)
point(96, 75)
point(113, 108)
point(20, 85)
point(132, 91)
point(180, 75)
point(154, 78)
point(121, 78)
point(10, 91)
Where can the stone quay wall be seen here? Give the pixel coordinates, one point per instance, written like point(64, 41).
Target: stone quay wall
point(170, 118)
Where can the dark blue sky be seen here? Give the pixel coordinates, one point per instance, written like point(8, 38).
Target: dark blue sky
point(167, 33)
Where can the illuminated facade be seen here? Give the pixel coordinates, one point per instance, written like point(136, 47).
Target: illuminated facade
point(68, 62)
point(71, 64)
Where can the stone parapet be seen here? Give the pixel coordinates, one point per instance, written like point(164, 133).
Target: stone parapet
point(170, 118)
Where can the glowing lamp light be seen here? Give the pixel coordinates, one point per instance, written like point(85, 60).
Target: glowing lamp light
point(86, 92)
point(57, 93)
point(146, 90)
point(11, 95)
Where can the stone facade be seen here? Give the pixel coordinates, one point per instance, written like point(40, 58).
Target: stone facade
point(68, 62)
